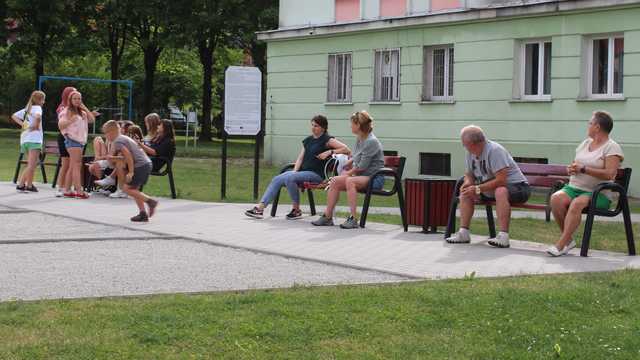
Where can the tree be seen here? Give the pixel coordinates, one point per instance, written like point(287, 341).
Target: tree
point(43, 25)
point(152, 26)
point(109, 21)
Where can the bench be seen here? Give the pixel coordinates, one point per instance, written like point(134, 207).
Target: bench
point(165, 170)
point(49, 148)
point(394, 168)
point(553, 177)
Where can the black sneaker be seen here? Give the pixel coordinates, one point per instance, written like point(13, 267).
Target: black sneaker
point(31, 188)
point(21, 188)
point(254, 213)
point(141, 217)
point(152, 206)
point(294, 214)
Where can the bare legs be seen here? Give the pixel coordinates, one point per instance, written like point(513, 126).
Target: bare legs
point(568, 215)
point(503, 209)
point(75, 165)
point(350, 184)
point(26, 179)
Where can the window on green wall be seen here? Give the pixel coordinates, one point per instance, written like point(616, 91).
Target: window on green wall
point(438, 73)
point(339, 78)
point(386, 84)
point(605, 64)
point(535, 69)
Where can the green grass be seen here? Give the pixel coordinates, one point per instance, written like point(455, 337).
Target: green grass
point(587, 316)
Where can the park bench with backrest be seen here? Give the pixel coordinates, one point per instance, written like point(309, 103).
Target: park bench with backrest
point(394, 168)
point(551, 178)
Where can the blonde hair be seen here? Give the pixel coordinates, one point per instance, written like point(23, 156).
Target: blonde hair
point(110, 125)
point(363, 120)
point(36, 97)
point(152, 121)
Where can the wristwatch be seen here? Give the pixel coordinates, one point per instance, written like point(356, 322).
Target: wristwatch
point(478, 191)
point(583, 169)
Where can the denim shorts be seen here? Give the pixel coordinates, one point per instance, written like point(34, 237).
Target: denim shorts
point(378, 182)
point(70, 143)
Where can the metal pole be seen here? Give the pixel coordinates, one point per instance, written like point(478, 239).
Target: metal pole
point(223, 181)
point(256, 167)
point(130, 100)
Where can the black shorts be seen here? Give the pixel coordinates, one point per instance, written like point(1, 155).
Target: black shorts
point(140, 176)
point(61, 147)
point(518, 193)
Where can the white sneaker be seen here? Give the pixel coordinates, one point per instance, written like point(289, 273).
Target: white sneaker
point(570, 246)
point(104, 192)
point(119, 194)
point(108, 181)
point(461, 237)
point(553, 251)
point(501, 240)
point(59, 193)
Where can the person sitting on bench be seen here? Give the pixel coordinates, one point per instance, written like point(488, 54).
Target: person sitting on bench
point(309, 167)
point(162, 146)
point(597, 160)
point(110, 180)
point(368, 158)
point(491, 174)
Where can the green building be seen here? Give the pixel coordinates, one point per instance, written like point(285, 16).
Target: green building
point(530, 73)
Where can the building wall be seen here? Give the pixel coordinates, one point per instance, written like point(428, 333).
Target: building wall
point(294, 13)
point(484, 68)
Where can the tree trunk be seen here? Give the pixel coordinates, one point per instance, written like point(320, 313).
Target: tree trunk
point(206, 59)
point(115, 75)
point(38, 68)
point(151, 55)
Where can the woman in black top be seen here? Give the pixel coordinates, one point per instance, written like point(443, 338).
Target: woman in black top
point(309, 167)
point(163, 145)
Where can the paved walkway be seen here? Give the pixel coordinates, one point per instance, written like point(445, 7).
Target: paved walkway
point(379, 247)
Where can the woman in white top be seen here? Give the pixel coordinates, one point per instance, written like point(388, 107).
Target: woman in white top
point(30, 119)
point(597, 160)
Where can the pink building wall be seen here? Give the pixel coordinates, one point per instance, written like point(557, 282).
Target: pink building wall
point(347, 10)
point(393, 8)
point(437, 5)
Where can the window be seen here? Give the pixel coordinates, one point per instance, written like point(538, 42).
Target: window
point(605, 66)
point(339, 82)
point(438, 73)
point(535, 69)
point(386, 86)
point(435, 164)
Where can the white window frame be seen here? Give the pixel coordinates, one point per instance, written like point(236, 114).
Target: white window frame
point(610, 70)
point(377, 78)
point(427, 73)
point(347, 81)
point(523, 68)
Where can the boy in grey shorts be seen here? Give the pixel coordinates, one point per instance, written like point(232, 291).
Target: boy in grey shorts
point(138, 168)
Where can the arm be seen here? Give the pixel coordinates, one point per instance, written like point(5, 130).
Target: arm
point(36, 123)
point(335, 147)
point(469, 180)
point(64, 121)
point(496, 182)
point(148, 149)
point(128, 159)
point(366, 156)
point(298, 163)
point(611, 165)
point(91, 117)
point(16, 120)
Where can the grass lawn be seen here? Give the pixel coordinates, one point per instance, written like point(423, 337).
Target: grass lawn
point(587, 316)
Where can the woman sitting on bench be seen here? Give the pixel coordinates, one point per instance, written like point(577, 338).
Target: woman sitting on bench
point(597, 160)
point(309, 167)
point(368, 158)
point(162, 146)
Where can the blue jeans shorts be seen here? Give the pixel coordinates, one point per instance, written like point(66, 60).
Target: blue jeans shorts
point(378, 182)
point(70, 143)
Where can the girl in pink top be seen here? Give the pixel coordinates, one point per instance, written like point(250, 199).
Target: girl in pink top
point(64, 154)
point(73, 123)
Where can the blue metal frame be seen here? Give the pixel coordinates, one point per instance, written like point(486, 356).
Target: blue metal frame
point(129, 83)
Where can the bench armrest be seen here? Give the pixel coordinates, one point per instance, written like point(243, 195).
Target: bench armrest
point(287, 167)
point(613, 187)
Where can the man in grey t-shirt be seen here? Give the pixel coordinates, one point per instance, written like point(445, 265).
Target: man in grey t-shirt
point(490, 174)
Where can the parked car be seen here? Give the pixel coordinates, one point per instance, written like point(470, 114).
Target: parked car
point(177, 117)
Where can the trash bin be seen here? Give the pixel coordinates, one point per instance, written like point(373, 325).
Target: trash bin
point(427, 202)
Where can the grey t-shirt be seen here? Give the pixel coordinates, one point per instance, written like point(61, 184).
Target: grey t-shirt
point(140, 158)
point(494, 158)
point(368, 155)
